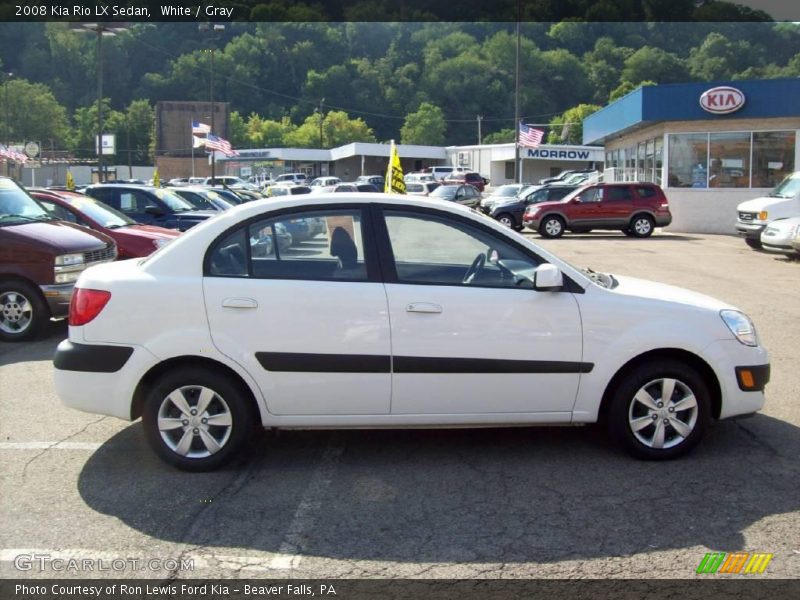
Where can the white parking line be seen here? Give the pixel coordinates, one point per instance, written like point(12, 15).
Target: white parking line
point(289, 552)
point(50, 445)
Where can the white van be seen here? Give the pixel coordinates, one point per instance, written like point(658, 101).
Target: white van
point(781, 203)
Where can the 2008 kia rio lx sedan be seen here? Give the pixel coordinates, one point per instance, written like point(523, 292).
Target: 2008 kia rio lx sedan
point(380, 320)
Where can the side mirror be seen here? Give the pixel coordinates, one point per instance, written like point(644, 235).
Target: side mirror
point(547, 278)
point(577, 200)
point(156, 211)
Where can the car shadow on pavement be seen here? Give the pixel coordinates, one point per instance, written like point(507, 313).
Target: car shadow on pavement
point(488, 495)
point(42, 348)
point(656, 237)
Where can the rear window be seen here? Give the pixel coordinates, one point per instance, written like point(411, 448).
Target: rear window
point(414, 187)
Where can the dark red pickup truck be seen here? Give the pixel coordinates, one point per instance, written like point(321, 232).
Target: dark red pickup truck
point(40, 260)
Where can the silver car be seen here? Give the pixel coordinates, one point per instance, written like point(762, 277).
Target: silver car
point(779, 235)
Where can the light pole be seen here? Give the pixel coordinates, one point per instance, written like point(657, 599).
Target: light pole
point(321, 119)
point(7, 120)
point(101, 30)
point(213, 29)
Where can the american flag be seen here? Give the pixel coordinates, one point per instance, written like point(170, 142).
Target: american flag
point(12, 154)
point(214, 142)
point(198, 127)
point(529, 137)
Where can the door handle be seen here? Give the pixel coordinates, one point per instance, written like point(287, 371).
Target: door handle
point(239, 303)
point(423, 307)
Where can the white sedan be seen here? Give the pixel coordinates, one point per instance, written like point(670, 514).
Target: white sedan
point(778, 237)
point(398, 314)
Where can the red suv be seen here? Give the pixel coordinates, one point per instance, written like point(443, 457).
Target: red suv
point(473, 179)
point(634, 208)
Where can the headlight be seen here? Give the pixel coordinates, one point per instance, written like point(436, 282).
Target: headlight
point(161, 242)
point(741, 326)
point(71, 277)
point(67, 260)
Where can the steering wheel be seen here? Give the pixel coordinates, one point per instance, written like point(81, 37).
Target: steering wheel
point(474, 268)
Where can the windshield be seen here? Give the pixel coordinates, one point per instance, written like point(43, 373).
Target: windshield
point(16, 206)
point(788, 188)
point(174, 201)
point(102, 214)
point(507, 191)
point(445, 191)
point(196, 199)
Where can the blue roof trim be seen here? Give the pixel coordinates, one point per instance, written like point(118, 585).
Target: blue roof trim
point(764, 98)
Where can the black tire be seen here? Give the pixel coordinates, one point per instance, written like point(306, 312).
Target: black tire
point(753, 243)
point(507, 220)
point(627, 232)
point(552, 226)
point(642, 226)
point(625, 409)
point(228, 398)
point(23, 312)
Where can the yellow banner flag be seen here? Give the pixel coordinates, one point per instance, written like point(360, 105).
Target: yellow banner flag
point(156, 179)
point(70, 182)
point(394, 173)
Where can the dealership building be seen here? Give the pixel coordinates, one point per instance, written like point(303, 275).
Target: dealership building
point(709, 145)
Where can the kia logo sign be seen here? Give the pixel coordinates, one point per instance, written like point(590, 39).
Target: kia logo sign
point(722, 100)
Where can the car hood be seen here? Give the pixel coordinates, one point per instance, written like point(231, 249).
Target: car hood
point(62, 237)
point(642, 288)
point(764, 202)
point(151, 232)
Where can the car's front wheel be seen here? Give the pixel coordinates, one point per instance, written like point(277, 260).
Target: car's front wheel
point(22, 311)
point(507, 220)
point(659, 410)
point(551, 227)
point(196, 419)
point(753, 243)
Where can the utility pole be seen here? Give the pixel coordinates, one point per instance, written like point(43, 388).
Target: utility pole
point(480, 118)
point(321, 119)
point(7, 120)
point(213, 29)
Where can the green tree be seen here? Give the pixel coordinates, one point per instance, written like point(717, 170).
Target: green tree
point(82, 141)
point(626, 87)
point(264, 133)
point(237, 131)
point(654, 64)
point(426, 126)
point(567, 128)
point(337, 129)
point(719, 58)
point(32, 113)
point(504, 136)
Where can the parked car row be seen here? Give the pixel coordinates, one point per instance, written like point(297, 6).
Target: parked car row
point(771, 222)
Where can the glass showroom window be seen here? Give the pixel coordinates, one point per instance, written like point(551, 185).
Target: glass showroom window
point(640, 170)
point(659, 152)
point(773, 157)
point(729, 164)
point(688, 160)
point(649, 163)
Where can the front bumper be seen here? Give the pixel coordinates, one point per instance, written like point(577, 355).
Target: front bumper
point(740, 395)
point(750, 230)
point(58, 297)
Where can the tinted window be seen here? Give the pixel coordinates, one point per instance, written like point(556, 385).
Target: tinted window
point(558, 193)
point(618, 194)
point(229, 257)
point(646, 191)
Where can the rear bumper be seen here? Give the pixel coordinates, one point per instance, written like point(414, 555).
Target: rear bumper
point(58, 297)
point(663, 220)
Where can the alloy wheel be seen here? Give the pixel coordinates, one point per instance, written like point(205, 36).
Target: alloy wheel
point(16, 312)
point(194, 421)
point(663, 413)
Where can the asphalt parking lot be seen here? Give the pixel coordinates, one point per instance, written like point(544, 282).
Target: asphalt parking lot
point(526, 502)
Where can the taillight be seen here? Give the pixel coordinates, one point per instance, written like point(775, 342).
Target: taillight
point(86, 305)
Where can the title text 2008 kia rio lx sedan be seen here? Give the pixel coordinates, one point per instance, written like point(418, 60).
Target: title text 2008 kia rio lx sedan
point(381, 320)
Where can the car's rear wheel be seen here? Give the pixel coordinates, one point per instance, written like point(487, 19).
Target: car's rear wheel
point(642, 226)
point(507, 220)
point(22, 311)
point(197, 420)
point(753, 243)
point(551, 227)
point(659, 410)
